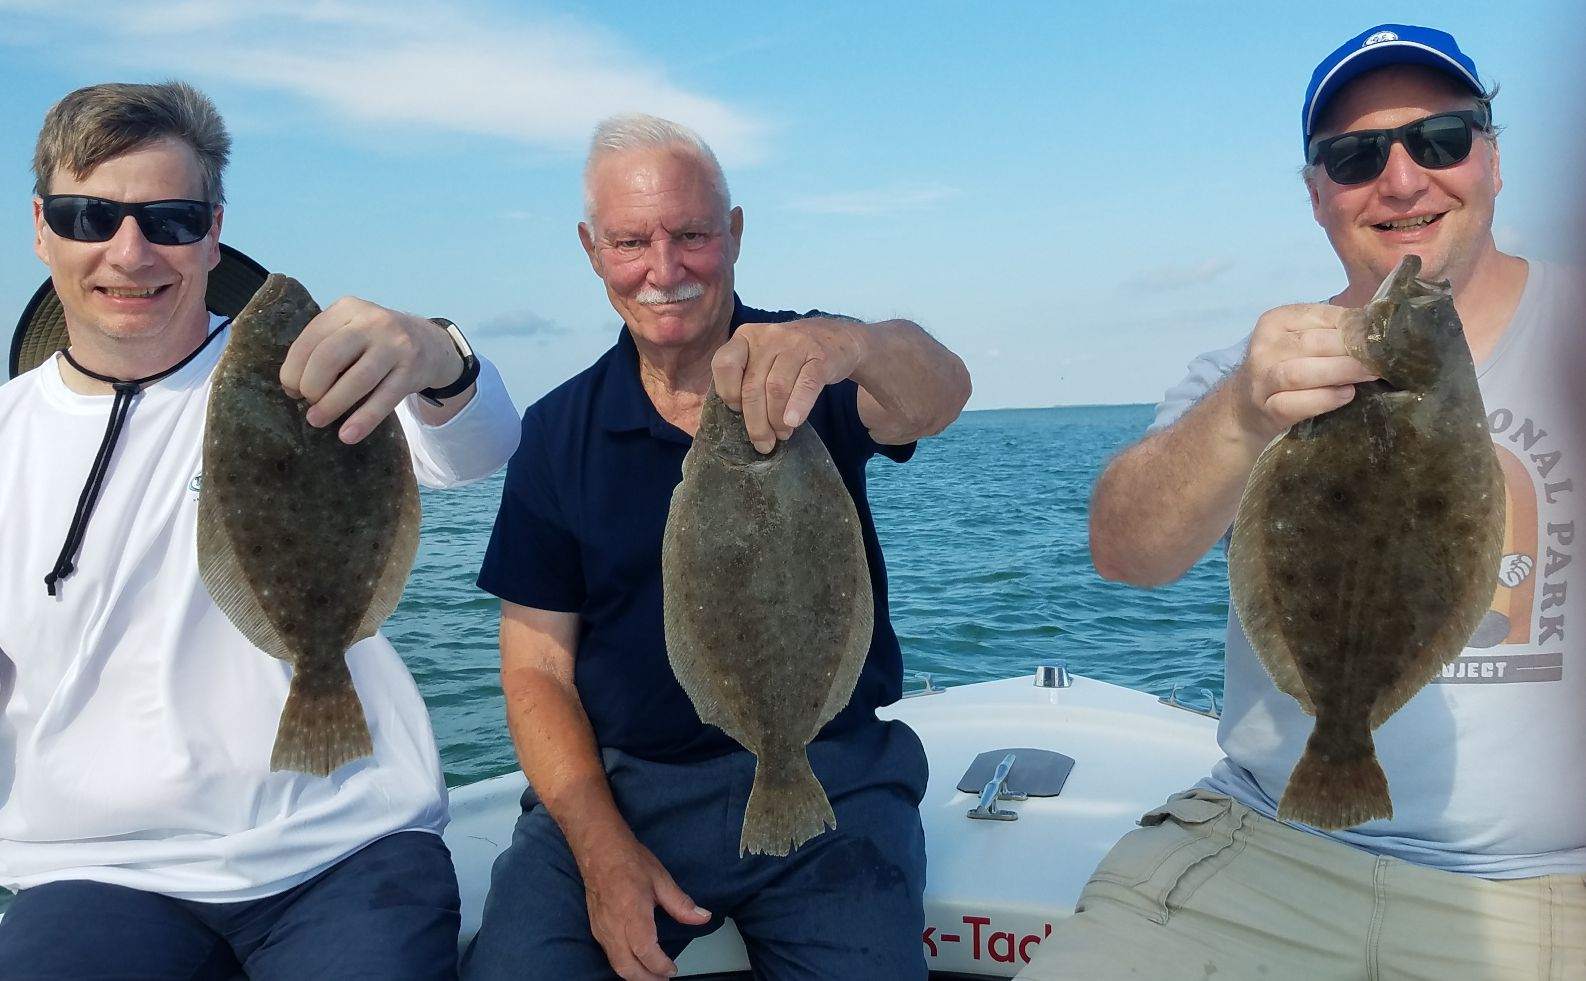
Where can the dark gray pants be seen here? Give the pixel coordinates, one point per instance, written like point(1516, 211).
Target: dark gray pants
point(846, 904)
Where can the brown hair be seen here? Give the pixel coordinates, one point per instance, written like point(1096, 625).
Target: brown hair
point(100, 122)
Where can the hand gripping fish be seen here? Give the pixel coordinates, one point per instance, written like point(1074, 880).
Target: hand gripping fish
point(768, 610)
point(304, 542)
point(1366, 545)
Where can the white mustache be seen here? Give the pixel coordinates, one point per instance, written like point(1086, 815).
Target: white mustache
point(650, 296)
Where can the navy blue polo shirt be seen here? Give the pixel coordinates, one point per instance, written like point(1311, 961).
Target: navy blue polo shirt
point(579, 531)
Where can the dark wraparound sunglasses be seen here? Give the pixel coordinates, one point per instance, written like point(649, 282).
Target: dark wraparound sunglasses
point(87, 219)
point(1434, 142)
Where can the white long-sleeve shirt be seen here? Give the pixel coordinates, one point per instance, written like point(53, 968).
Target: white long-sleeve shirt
point(136, 723)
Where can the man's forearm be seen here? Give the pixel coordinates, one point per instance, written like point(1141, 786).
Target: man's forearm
point(1162, 503)
point(556, 748)
point(918, 384)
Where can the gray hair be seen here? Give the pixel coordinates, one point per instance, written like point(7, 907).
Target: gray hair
point(637, 131)
point(99, 122)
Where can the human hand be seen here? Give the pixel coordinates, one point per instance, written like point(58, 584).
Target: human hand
point(772, 373)
point(1296, 368)
point(357, 351)
point(623, 884)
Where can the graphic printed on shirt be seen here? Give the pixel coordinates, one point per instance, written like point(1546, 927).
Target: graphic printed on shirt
point(1521, 638)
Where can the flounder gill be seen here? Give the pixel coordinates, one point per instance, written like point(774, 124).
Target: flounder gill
point(1367, 543)
point(304, 542)
point(768, 610)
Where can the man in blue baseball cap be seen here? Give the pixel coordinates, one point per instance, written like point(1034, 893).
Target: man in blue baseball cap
point(1481, 870)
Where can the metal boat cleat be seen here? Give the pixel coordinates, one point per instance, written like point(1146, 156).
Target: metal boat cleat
point(1053, 674)
point(1211, 711)
point(996, 790)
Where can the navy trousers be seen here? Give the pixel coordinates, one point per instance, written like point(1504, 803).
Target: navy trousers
point(387, 911)
point(846, 904)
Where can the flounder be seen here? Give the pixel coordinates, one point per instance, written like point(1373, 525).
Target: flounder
point(304, 542)
point(1367, 543)
point(768, 610)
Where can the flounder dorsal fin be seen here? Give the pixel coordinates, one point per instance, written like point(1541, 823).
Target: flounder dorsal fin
point(228, 585)
point(1247, 575)
point(399, 557)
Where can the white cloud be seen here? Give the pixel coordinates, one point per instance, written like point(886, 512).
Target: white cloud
point(1177, 276)
point(454, 67)
point(876, 201)
point(520, 324)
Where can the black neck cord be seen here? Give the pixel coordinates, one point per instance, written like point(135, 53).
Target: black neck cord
point(126, 390)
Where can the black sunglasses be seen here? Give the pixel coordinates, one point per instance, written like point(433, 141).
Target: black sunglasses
point(1434, 142)
point(87, 219)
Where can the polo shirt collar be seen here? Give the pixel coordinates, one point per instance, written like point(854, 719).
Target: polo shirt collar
point(624, 404)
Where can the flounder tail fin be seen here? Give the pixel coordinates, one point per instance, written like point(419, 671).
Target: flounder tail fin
point(1336, 793)
point(787, 805)
point(322, 724)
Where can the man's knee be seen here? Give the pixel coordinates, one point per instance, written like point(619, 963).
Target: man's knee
point(1156, 869)
point(389, 910)
point(849, 903)
point(77, 929)
point(535, 908)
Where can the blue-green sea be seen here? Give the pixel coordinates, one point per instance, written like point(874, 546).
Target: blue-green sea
point(984, 533)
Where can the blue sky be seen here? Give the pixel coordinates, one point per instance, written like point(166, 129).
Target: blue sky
point(1078, 198)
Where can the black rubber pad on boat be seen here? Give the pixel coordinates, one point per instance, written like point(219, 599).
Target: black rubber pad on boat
point(1037, 772)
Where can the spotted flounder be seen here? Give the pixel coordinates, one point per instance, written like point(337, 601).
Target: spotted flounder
point(304, 542)
point(768, 610)
point(1366, 546)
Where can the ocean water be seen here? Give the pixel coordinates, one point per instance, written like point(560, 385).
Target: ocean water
point(984, 534)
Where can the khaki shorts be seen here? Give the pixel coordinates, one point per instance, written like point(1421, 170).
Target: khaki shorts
point(1210, 890)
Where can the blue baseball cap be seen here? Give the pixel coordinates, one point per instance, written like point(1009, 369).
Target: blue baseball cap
point(1378, 47)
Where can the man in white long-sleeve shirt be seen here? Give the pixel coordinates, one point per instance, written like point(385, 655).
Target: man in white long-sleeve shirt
point(139, 816)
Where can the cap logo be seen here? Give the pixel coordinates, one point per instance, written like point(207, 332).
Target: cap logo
point(1380, 37)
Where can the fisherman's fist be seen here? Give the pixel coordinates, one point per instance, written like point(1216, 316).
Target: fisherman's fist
point(773, 373)
point(356, 351)
point(1296, 368)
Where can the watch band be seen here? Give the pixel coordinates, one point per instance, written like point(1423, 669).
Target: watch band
point(470, 365)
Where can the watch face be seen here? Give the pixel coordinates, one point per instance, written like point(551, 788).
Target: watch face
point(456, 334)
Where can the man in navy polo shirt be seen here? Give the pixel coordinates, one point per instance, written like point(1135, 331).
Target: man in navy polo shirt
point(627, 848)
